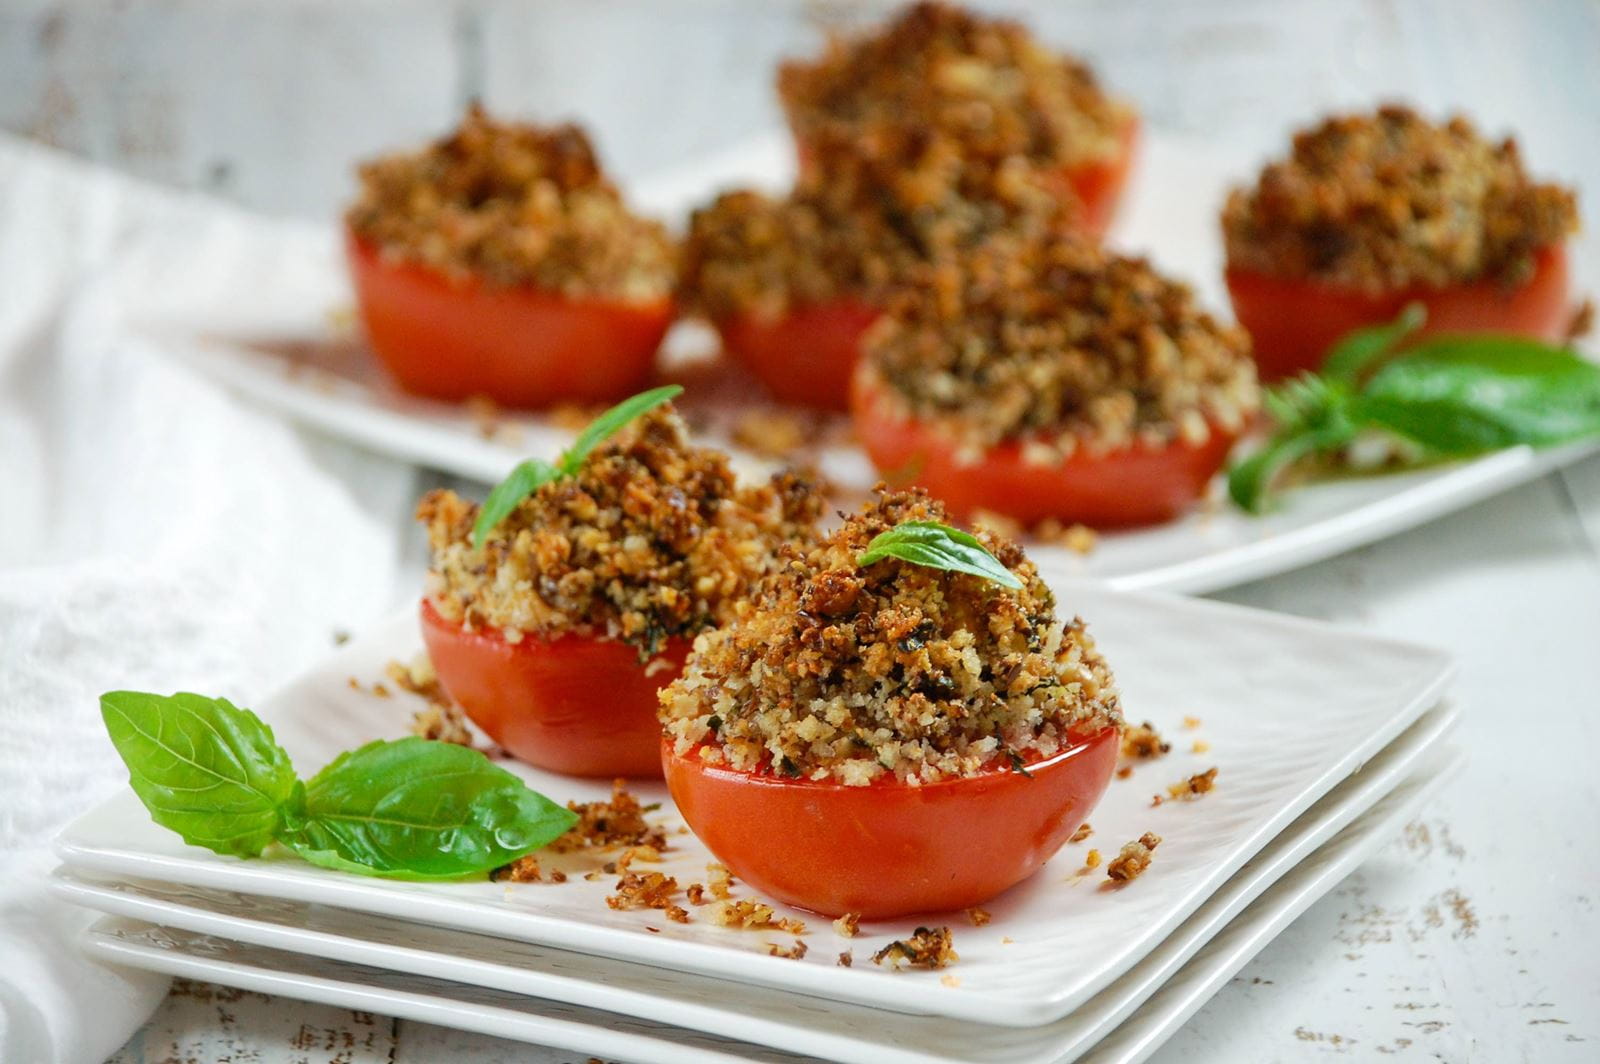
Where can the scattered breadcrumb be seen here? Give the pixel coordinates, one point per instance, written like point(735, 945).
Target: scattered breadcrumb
point(794, 952)
point(847, 959)
point(643, 890)
point(752, 915)
point(1083, 832)
point(1091, 859)
point(1142, 742)
point(1007, 940)
point(1124, 772)
point(1200, 746)
point(848, 925)
point(696, 893)
point(608, 824)
point(949, 980)
point(978, 916)
point(1191, 722)
point(719, 880)
point(522, 870)
point(441, 720)
point(1193, 787)
point(928, 947)
point(1582, 321)
point(1134, 858)
point(1080, 539)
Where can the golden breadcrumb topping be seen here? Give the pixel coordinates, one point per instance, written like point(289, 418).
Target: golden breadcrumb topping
point(1062, 343)
point(940, 73)
point(652, 539)
point(891, 671)
point(1388, 200)
point(513, 204)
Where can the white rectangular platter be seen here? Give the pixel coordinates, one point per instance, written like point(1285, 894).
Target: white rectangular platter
point(1288, 707)
point(584, 1030)
point(770, 1018)
point(266, 310)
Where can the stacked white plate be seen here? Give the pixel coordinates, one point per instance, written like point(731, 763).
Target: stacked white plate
point(1325, 741)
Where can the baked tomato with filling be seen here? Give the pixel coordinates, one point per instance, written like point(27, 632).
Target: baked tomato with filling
point(1294, 322)
point(519, 345)
point(890, 849)
point(577, 705)
point(1139, 484)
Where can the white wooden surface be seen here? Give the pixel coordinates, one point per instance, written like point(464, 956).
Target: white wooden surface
point(1472, 937)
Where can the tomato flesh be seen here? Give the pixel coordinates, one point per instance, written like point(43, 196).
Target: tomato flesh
point(806, 356)
point(1135, 485)
point(575, 705)
point(890, 849)
point(521, 346)
point(1293, 322)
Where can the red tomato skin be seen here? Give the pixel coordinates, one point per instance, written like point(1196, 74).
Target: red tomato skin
point(806, 356)
point(888, 849)
point(1293, 322)
point(1099, 186)
point(521, 346)
point(574, 705)
point(1137, 485)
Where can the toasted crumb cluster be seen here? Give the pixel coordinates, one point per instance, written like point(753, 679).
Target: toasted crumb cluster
point(1189, 789)
point(940, 74)
point(1059, 343)
point(848, 925)
point(653, 539)
point(752, 915)
point(441, 719)
point(619, 821)
point(1142, 742)
point(1085, 829)
point(648, 890)
point(893, 670)
point(513, 204)
point(928, 947)
point(1389, 200)
point(1134, 858)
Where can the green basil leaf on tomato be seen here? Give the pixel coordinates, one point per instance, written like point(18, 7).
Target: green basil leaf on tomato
point(606, 425)
point(936, 546)
point(1464, 395)
point(203, 767)
point(417, 809)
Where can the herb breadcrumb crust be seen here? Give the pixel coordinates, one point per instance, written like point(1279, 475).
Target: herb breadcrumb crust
point(1388, 199)
point(1060, 340)
point(892, 671)
point(654, 538)
point(513, 204)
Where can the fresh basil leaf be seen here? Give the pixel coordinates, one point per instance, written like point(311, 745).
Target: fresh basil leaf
point(527, 478)
point(1250, 481)
point(535, 473)
point(204, 768)
point(605, 426)
point(936, 546)
point(416, 809)
point(1464, 395)
point(1358, 350)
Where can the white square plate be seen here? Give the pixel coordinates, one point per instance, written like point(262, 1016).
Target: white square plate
point(1289, 707)
point(582, 1030)
point(836, 1031)
point(259, 315)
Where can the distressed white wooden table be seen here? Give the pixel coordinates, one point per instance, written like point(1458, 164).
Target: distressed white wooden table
point(1470, 938)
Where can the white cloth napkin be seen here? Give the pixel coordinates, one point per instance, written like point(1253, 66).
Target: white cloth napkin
point(155, 534)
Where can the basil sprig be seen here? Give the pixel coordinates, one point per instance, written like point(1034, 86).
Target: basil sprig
point(936, 546)
point(531, 475)
point(406, 809)
point(1451, 396)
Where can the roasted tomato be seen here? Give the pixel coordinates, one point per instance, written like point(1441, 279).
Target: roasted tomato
point(805, 357)
point(1293, 322)
point(520, 346)
point(583, 707)
point(1098, 186)
point(889, 849)
point(1136, 485)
